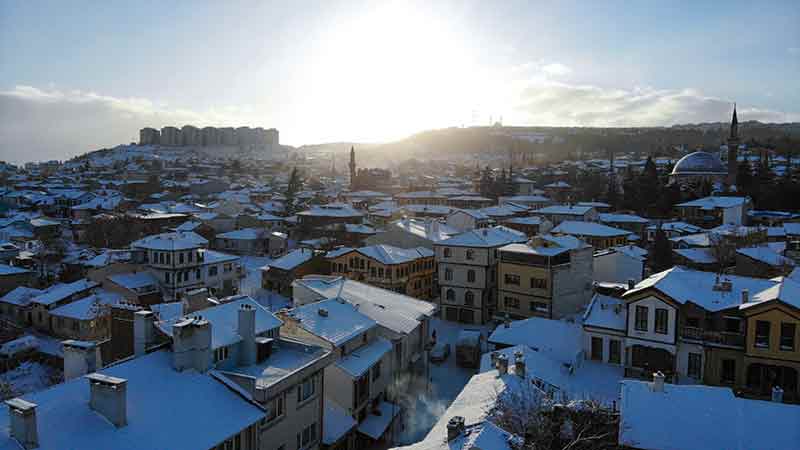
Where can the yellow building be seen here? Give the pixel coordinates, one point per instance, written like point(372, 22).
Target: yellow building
point(407, 271)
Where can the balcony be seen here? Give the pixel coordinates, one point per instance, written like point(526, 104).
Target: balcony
point(713, 337)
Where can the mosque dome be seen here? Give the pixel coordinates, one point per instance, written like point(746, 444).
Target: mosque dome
point(699, 163)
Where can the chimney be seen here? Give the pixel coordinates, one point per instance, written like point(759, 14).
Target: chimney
point(519, 364)
point(191, 344)
point(493, 357)
point(455, 427)
point(745, 296)
point(658, 382)
point(502, 364)
point(143, 323)
point(80, 358)
point(322, 312)
point(196, 300)
point(247, 330)
point(108, 397)
point(631, 283)
point(777, 394)
point(22, 415)
point(506, 321)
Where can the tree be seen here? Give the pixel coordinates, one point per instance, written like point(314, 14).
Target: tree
point(661, 258)
point(294, 186)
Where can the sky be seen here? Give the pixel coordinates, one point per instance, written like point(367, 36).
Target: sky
point(77, 76)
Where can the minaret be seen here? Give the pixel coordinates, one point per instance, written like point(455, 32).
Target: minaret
point(352, 166)
point(333, 165)
point(733, 149)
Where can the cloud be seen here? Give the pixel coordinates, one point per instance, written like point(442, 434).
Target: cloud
point(556, 69)
point(543, 101)
point(39, 124)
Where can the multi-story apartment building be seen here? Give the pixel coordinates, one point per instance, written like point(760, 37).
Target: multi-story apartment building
point(407, 271)
point(698, 327)
point(359, 378)
point(181, 262)
point(550, 276)
point(467, 265)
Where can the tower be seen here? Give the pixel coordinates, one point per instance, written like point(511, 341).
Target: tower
point(352, 166)
point(333, 165)
point(733, 149)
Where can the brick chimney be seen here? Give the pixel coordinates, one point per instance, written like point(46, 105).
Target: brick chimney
point(108, 397)
point(519, 364)
point(247, 330)
point(502, 364)
point(777, 394)
point(658, 382)
point(22, 415)
point(455, 427)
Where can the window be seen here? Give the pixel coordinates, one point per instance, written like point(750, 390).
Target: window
point(448, 274)
point(196, 273)
point(728, 371)
point(469, 299)
point(762, 333)
point(191, 256)
point(166, 277)
point(511, 302)
point(661, 320)
point(360, 263)
point(308, 436)
point(470, 276)
point(447, 252)
point(512, 279)
point(597, 348)
point(614, 351)
point(212, 271)
point(787, 336)
point(180, 258)
point(538, 283)
point(372, 272)
point(693, 369)
point(380, 272)
point(376, 371)
point(226, 267)
point(732, 325)
point(693, 322)
point(450, 295)
point(276, 409)
point(220, 354)
point(306, 389)
point(641, 318)
point(470, 254)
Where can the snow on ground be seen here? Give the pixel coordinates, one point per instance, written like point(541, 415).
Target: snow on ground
point(28, 377)
point(422, 409)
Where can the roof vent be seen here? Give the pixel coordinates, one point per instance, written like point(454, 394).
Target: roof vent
point(323, 312)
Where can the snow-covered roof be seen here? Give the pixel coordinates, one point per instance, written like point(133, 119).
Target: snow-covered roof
point(332, 319)
point(486, 237)
point(21, 296)
point(88, 307)
point(178, 240)
point(565, 210)
point(432, 231)
point(697, 255)
point(714, 202)
point(680, 227)
point(386, 254)
point(331, 210)
point(621, 218)
point(5, 269)
point(136, 280)
point(61, 291)
point(360, 360)
point(704, 417)
point(686, 285)
point(606, 312)
point(224, 320)
point(766, 254)
point(247, 234)
point(595, 229)
point(336, 422)
point(560, 339)
point(397, 312)
point(164, 409)
point(292, 259)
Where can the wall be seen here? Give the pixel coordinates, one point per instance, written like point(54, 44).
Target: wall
point(572, 284)
point(617, 267)
point(296, 417)
point(652, 303)
point(775, 315)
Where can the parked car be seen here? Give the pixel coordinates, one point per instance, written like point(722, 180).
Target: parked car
point(468, 348)
point(440, 352)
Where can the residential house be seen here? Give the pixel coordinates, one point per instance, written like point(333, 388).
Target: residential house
point(630, 222)
point(407, 271)
point(550, 276)
point(597, 235)
point(468, 219)
point(531, 225)
point(715, 210)
point(247, 241)
point(11, 277)
point(467, 265)
point(411, 233)
point(85, 319)
point(559, 213)
point(620, 264)
point(279, 274)
point(54, 297)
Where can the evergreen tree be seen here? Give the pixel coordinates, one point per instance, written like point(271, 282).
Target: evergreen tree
point(294, 186)
point(661, 257)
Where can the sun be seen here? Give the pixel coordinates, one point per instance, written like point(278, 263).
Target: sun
point(390, 72)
